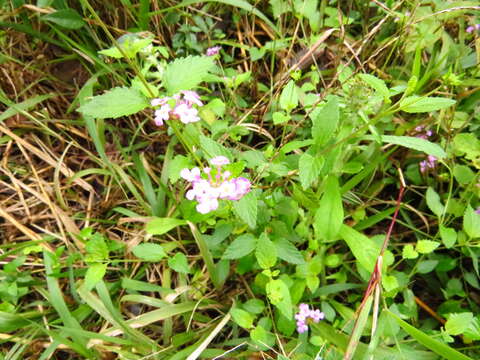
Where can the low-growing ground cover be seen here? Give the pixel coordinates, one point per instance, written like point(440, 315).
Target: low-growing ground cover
point(283, 179)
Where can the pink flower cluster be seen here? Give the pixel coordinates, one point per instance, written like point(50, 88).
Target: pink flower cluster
point(472, 28)
point(179, 106)
point(213, 51)
point(306, 313)
point(430, 163)
point(214, 185)
point(422, 133)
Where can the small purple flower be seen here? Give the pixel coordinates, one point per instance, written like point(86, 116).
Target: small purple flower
point(183, 107)
point(422, 133)
point(213, 50)
point(191, 97)
point(162, 114)
point(430, 163)
point(477, 211)
point(186, 113)
point(303, 316)
point(472, 28)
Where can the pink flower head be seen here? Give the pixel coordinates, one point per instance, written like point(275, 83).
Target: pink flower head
point(162, 114)
point(213, 50)
point(303, 316)
point(472, 28)
point(219, 161)
point(186, 113)
point(191, 97)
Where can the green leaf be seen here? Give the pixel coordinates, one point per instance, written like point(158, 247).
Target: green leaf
point(417, 104)
point(178, 163)
point(131, 44)
point(279, 295)
point(254, 306)
point(434, 203)
point(325, 121)
point(149, 252)
point(119, 101)
point(309, 169)
point(246, 208)
point(160, 226)
point(471, 222)
point(240, 247)
point(186, 73)
point(463, 174)
point(96, 248)
point(67, 18)
point(279, 117)
point(242, 318)
point(329, 215)
point(288, 252)
point(426, 340)
point(426, 246)
point(266, 252)
point(213, 148)
point(414, 143)
point(362, 247)
point(289, 97)
point(448, 235)
point(409, 252)
point(458, 323)
point(377, 84)
point(94, 274)
point(467, 143)
point(179, 263)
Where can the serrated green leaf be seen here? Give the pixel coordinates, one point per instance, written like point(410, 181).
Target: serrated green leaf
point(212, 148)
point(376, 83)
point(186, 73)
point(67, 18)
point(471, 222)
point(240, 247)
point(149, 252)
point(417, 104)
point(179, 263)
point(131, 44)
point(120, 101)
point(467, 143)
point(247, 208)
point(434, 203)
point(458, 323)
point(178, 163)
point(242, 318)
point(96, 248)
point(95, 273)
point(279, 295)
point(329, 215)
point(288, 252)
point(409, 252)
point(426, 246)
point(309, 169)
point(160, 226)
point(325, 121)
point(448, 235)
point(266, 252)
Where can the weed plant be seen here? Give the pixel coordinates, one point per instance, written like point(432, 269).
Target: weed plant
point(282, 179)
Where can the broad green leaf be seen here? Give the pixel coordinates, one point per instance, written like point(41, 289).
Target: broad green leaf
point(246, 208)
point(309, 169)
point(178, 163)
point(426, 340)
point(266, 252)
point(414, 143)
point(254, 306)
point(471, 222)
point(362, 247)
point(242, 318)
point(289, 97)
point(160, 226)
point(94, 274)
point(213, 148)
point(280, 117)
point(96, 248)
point(179, 263)
point(434, 203)
point(458, 323)
point(409, 252)
point(329, 215)
point(119, 101)
point(448, 235)
point(426, 246)
point(467, 143)
point(289, 252)
point(325, 121)
point(240, 247)
point(376, 83)
point(186, 73)
point(279, 295)
point(417, 104)
point(149, 252)
point(463, 174)
point(66, 18)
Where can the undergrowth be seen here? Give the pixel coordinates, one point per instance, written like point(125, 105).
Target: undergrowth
point(283, 179)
